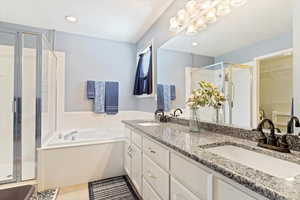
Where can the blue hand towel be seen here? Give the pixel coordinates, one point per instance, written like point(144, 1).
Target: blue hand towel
point(111, 97)
point(99, 101)
point(167, 97)
point(90, 89)
point(160, 96)
point(173, 92)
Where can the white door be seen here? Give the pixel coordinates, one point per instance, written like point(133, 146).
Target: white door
point(136, 167)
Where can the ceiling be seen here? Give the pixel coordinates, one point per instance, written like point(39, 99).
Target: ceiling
point(120, 20)
point(257, 20)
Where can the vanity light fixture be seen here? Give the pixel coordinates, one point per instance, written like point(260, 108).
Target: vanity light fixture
point(195, 44)
point(71, 19)
point(197, 14)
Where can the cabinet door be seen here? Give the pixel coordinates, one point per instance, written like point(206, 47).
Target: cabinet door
point(136, 167)
point(179, 192)
point(148, 193)
point(127, 157)
point(225, 191)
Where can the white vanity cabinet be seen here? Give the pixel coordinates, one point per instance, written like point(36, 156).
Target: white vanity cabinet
point(136, 167)
point(133, 159)
point(160, 173)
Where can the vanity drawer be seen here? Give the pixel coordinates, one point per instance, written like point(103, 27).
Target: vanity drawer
point(224, 191)
point(148, 193)
point(157, 153)
point(179, 192)
point(191, 176)
point(156, 177)
point(136, 139)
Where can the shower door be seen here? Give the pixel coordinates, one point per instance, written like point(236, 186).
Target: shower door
point(20, 56)
point(7, 114)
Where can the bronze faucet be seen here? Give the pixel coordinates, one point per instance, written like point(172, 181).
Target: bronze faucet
point(272, 141)
point(162, 116)
point(290, 125)
point(177, 110)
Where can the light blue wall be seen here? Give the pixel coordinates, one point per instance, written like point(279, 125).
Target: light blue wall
point(246, 54)
point(90, 58)
point(171, 70)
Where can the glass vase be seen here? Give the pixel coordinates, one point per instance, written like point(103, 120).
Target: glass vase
point(194, 122)
point(219, 118)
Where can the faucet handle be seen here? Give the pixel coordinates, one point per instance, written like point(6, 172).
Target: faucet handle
point(283, 142)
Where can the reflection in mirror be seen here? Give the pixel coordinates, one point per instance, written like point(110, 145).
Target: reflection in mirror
point(247, 55)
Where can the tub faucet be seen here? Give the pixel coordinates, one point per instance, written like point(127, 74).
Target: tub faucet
point(290, 125)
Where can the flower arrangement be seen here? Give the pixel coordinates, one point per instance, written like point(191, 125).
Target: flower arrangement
point(207, 95)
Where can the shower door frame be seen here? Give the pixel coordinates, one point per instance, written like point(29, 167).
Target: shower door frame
point(17, 100)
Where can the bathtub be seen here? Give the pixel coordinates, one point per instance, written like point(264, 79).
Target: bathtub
point(77, 137)
point(78, 156)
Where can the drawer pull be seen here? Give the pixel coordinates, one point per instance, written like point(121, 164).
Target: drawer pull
point(152, 151)
point(151, 176)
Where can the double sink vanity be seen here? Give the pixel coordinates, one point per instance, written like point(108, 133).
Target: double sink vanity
point(167, 162)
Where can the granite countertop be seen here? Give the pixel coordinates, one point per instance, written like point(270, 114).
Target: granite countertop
point(194, 146)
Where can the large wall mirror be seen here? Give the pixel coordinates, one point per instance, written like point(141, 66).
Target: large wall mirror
point(247, 55)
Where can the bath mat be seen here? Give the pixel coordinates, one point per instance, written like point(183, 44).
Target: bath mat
point(117, 188)
point(50, 194)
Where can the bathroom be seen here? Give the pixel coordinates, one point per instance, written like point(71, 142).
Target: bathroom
point(153, 100)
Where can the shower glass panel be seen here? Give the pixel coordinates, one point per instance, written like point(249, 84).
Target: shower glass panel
point(29, 71)
point(49, 92)
point(7, 62)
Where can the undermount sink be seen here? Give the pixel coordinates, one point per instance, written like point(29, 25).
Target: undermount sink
point(148, 124)
point(265, 163)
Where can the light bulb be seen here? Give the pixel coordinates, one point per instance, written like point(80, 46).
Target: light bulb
point(191, 6)
point(195, 44)
point(181, 14)
point(238, 3)
point(191, 29)
point(205, 4)
point(174, 24)
point(211, 16)
point(173, 21)
point(223, 10)
point(200, 22)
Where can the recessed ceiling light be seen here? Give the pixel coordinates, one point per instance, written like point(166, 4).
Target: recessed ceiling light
point(71, 19)
point(195, 44)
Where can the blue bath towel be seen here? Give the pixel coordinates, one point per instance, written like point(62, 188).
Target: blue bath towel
point(167, 97)
point(160, 96)
point(90, 89)
point(173, 92)
point(111, 97)
point(164, 97)
point(99, 100)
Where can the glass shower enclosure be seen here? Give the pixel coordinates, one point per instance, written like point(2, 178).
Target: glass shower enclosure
point(26, 60)
point(236, 83)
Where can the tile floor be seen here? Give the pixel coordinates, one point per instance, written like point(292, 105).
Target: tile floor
point(76, 192)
